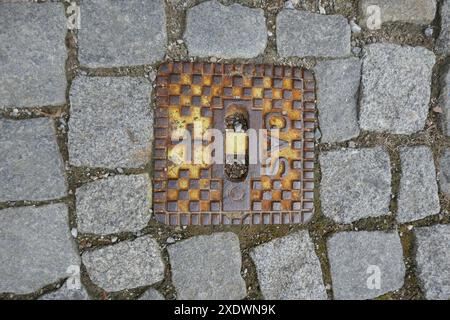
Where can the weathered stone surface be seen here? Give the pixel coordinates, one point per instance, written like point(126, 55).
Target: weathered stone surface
point(418, 194)
point(411, 11)
point(110, 122)
point(234, 31)
point(355, 184)
point(357, 258)
point(126, 265)
point(32, 54)
point(207, 267)
point(433, 260)
point(337, 97)
point(443, 42)
point(444, 100)
point(304, 34)
point(151, 294)
point(65, 293)
point(444, 172)
point(396, 83)
point(288, 269)
point(121, 33)
point(31, 167)
point(36, 247)
point(115, 204)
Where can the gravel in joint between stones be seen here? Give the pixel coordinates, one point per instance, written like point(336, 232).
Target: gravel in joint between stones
point(121, 33)
point(357, 258)
point(115, 204)
point(396, 86)
point(36, 247)
point(444, 100)
point(126, 265)
point(305, 34)
point(32, 55)
point(31, 167)
point(288, 269)
point(418, 194)
point(234, 31)
point(355, 184)
point(337, 98)
point(433, 260)
point(110, 122)
point(207, 268)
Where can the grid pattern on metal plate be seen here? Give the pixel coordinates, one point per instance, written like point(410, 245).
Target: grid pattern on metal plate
point(196, 97)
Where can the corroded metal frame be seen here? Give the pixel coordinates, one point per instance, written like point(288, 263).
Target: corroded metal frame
point(191, 194)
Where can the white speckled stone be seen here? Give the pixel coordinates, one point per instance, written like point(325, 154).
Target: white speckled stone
point(395, 88)
point(433, 260)
point(111, 122)
point(234, 31)
point(304, 34)
point(32, 54)
point(115, 204)
point(207, 268)
point(354, 257)
point(36, 247)
point(31, 166)
point(418, 194)
point(126, 265)
point(355, 184)
point(337, 98)
point(121, 33)
point(288, 269)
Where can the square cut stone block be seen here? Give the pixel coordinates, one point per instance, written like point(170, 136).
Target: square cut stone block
point(121, 33)
point(36, 247)
point(395, 88)
point(207, 268)
point(355, 184)
point(365, 265)
point(32, 55)
point(111, 122)
point(31, 166)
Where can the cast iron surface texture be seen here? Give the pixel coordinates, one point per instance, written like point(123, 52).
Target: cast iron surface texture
point(200, 96)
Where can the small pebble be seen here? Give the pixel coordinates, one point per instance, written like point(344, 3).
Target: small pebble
point(119, 170)
point(288, 5)
point(355, 27)
point(317, 134)
point(170, 240)
point(74, 232)
point(356, 50)
point(321, 9)
point(152, 76)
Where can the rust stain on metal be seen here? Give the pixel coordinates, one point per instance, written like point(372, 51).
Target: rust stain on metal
point(200, 96)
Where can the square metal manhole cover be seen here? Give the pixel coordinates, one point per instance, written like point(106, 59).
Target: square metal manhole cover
point(234, 144)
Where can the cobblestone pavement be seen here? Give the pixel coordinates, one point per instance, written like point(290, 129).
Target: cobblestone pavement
point(76, 113)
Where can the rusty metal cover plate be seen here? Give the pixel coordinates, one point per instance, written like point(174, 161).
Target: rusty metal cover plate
point(189, 189)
